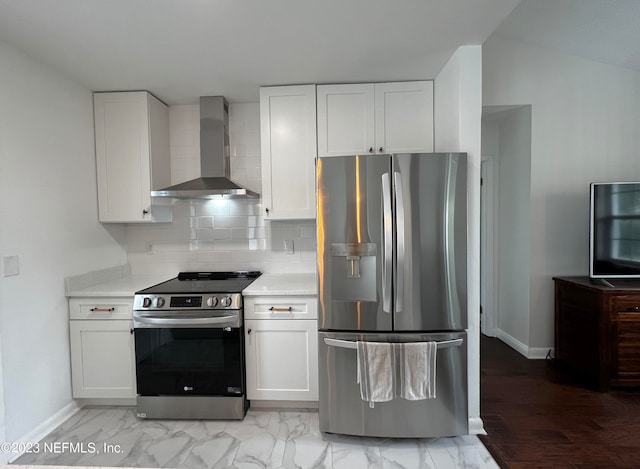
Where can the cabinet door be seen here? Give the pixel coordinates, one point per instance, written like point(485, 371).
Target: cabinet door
point(102, 359)
point(282, 359)
point(132, 138)
point(625, 339)
point(404, 117)
point(346, 119)
point(288, 139)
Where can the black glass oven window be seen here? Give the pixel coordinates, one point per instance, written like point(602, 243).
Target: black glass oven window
point(189, 361)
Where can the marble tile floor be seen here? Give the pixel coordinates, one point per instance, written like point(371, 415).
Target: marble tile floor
point(114, 437)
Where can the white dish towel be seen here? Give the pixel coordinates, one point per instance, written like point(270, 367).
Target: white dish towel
point(387, 370)
point(416, 368)
point(375, 371)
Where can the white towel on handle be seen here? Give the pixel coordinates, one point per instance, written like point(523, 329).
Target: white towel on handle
point(375, 371)
point(416, 365)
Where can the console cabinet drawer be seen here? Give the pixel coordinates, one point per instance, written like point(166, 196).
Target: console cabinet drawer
point(626, 305)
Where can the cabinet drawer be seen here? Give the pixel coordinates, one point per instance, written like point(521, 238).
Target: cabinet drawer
point(625, 307)
point(100, 308)
point(281, 307)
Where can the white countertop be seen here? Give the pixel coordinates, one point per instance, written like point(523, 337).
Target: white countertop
point(283, 285)
point(124, 286)
point(266, 285)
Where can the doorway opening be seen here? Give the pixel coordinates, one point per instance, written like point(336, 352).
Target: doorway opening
point(505, 224)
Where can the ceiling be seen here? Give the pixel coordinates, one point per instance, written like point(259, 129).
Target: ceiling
point(182, 49)
point(606, 31)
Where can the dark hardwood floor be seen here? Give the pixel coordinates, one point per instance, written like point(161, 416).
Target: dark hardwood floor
point(539, 416)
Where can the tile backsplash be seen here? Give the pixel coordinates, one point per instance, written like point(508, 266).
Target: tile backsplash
point(220, 234)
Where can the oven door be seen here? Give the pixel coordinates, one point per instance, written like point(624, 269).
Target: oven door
point(188, 356)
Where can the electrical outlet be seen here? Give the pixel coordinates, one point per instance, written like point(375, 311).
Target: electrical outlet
point(288, 246)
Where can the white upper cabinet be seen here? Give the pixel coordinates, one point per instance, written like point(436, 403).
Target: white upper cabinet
point(375, 118)
point(288, 141)
point(404, 117)
point(132, 156)
point(346, 123)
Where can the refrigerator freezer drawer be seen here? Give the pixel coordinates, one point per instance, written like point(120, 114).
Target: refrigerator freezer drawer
point(341, 410)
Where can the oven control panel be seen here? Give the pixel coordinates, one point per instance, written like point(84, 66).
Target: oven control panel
point(145, 302)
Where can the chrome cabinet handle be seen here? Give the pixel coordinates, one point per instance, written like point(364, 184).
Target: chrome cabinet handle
point(102, 310)
point(387, 243)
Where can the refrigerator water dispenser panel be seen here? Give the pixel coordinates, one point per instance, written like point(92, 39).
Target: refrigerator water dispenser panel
point(353, 252)
point(353, 270)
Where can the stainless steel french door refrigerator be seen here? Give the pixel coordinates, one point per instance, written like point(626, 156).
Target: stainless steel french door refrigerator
point(392, 267)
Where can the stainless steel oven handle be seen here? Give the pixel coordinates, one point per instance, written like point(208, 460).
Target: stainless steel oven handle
point(200, 322)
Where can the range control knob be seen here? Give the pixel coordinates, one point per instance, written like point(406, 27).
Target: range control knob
point(225, 301)
point(159, 303)
point(146, 302)
point(213, 301)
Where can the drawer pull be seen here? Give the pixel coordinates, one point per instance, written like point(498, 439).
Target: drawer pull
point(102, 310)
point(633, 309)
point(273, 308)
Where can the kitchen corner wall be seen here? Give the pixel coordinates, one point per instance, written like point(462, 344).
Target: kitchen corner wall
point(219, 234)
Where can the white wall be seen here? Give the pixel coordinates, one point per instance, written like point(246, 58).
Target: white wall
point(457, 124)
point(48, 217)
point(220, 235)
point(584, 123)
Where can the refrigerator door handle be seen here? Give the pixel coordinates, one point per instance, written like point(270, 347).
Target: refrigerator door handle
point(354, 345)
point(400, 247)
point(451, 287)
point(387, 243)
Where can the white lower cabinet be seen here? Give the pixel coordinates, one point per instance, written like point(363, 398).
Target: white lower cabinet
point(102, 349)
point(281, 357)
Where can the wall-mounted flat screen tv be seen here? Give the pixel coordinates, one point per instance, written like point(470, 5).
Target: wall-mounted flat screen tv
point(614, 241)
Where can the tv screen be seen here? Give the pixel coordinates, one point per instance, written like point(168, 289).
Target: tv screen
point(614, 241)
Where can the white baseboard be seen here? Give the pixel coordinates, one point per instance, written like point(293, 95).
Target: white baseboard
point(47, 426)
point(476, 426)
point(126, 402)
point(533, 353)
point(275, 405)
point(540, 353)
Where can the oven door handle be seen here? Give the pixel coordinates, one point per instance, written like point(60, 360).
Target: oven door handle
point(145, 321)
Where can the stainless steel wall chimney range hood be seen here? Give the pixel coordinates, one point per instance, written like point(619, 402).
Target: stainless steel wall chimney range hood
point(215, 170)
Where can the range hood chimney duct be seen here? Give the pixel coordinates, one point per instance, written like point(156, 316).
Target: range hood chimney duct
point(215, 170)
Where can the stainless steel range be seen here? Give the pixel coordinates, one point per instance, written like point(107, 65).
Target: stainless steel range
point(189, 346)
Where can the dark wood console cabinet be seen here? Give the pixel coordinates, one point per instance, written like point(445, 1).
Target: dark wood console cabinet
point(597, 329)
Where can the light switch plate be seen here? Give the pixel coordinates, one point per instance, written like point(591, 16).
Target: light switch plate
point(11, 266)
point(288, 246)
